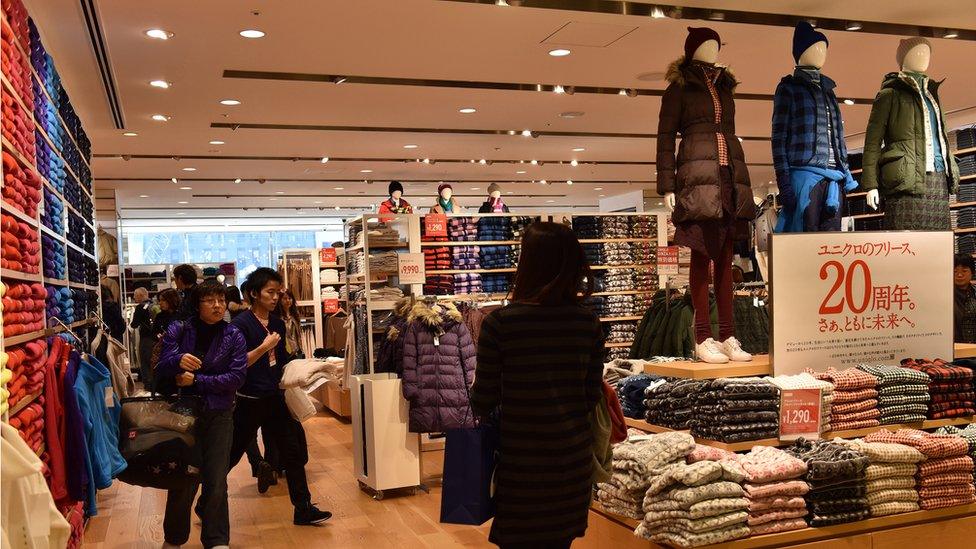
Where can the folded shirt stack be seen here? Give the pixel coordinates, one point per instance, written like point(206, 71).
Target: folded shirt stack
point(837, 482)
point(689, 505)
point(738, 409)
point(55, 264)
point(630, 392)
point(383, 262)
point(467, 283)
point(633, 462)
point(890, 476)
point(620, 305)
point(437, 259)
point(383, 234)
point(945, 477)
point(670, 404)
point(620, 332)
point(494, 228)
point(903, 394)
point(619, 280)
point(951, 388)
point(643, 253)
point(617, 353)
point(806, 381)
point(599, 281)
point(53, 215)
point(462, 228)
point(495, 257)
point(594, 253)
point(518, 225)
point(615, 226)
point(645, 279)
point(60, 304)
point(21, 246)
point(587, 227)
point(598, 304)
point(385, 293)
point(855, 404)
point(495, 283)
point(775, 489)
point(439, 285)
point(329, 276)
point(26, 365)
point(643, 226)
point(23, 308)
point(465, 258)
point(968, 433)
point(618, 253)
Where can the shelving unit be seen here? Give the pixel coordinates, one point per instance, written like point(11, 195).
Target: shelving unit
point(285, 259)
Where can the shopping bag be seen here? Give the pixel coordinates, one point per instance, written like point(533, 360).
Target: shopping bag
point(470, 457)
point(156, 438)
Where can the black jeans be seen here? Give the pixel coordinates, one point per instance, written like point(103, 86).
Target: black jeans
point(214, 435)
point(277, 426)
point(255, 458)
point(146, 343)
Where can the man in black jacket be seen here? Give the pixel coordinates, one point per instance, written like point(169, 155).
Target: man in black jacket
point(185, 279)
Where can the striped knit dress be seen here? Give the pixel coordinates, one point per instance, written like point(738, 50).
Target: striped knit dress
point(543, 365)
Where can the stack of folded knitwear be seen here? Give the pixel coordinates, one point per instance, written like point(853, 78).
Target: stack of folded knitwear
point(890, 476)
point(619, 280)
point(633, 463)
point(383, 262)
point(736, 409)
point(945, 477)
point(599, 281)
point(462, 229)
point(598, 304)
point(775, 490)
point(494, 228)
point(518, 226)
point(594, 253)
point(495, 283)
point(615, 226)
point(903, 393)
point(968, 433)
point(620, 305)
point(587, 227)
point(495, 257)
point(837, 482)
point(643, 226)
point(855, 404)
point(670, 404)
point(630, 392)
point(951, 388)
point(806, 381)
point(690, 505)
point(467, 283)
point(465, 258)
point(618, 253)
point(436, 258)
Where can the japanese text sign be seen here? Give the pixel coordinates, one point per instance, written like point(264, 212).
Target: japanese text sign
point(411, 269)
point(667, 260)
point(330, 305)
point(799, 414)
point(842, 299)
point(327, 256)
point(435, 225)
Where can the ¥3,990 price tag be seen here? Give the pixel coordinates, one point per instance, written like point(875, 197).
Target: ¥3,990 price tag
point(799, 414)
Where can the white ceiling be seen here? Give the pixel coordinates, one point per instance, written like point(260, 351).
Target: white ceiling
point(423, 39)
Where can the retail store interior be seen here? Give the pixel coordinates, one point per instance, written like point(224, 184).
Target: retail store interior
point(388, 160)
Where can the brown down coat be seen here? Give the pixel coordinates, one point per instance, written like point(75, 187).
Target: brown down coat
point(686, 108)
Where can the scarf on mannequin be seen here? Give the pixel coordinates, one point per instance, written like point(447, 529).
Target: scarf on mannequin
point(447, 205)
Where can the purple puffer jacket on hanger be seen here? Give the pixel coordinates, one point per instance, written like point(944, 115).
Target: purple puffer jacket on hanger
point(438, 368)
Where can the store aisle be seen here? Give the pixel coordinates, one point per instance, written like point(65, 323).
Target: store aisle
point(131, 517)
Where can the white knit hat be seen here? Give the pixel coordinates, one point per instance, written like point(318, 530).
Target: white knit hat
point(907, 44)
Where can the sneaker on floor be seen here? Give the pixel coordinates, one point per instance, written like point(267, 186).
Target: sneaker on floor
point(306, 516)
point(708, 351)
point(266, 477)
point(733, 349)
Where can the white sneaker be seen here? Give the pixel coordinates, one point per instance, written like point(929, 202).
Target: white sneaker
point(732, 349)
point(709, 351)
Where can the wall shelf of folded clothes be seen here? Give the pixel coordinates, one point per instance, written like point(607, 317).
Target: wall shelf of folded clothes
point(965, 151)
point(964, 231)
point(967, 177)
point(23, 403)
point(619, 344)
point(962, 204)
point(471, 243)
point(619, 318)
point(868, 216)
point(8, 274)
point(21, 216)
point(464, 271)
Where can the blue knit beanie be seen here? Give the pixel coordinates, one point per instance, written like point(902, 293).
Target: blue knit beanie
point(805, 36)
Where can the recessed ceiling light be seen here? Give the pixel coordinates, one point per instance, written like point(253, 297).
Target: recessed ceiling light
point(854, 26)
point(160, 84)
point(173, 179)
point(180, 213)
point(558, 89)
point(272, 199)
point(251, 33)
point(475, 188)
point(182, 202)
point(597, 188)
point(468, 110)
point(365, 171)
point(543, 181)
point(337, 208)
point(569, 181)
point(579, 149)
point(216, 142)
point(230, 102)
point(410, 146)
point(571, 114)
point(189, 169)
point(186, 188)
point(573, 163)
point(560, 52)
point(848, 101)
point(130, 134)
point(143, 196)
point(279, 192)
point(949, 33)
point(520, 171)
point(325, 159)
point(509, 192)
point(657, 13)
point(534, 162)
point(159, 34)
point(160, 117)
point(740, 139)
point(339, 188)
point(238, 180)
point(550, 201)
point(602, 195)
point(317, 202)
point(526, 133)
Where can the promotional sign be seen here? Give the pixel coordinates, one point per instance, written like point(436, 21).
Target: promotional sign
point(327, 256)
point(842, 299)
point(435, 225)
point(411, 269)
point(667, 260)
point(799, 414)
point(330, 306)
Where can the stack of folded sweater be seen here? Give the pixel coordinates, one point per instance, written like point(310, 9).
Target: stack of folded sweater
point(643, 253)
point(329, 276)
point(855, 404)
point(29, 423)
point(495, 257)
point(837, 482)
point(26, 365)
point(55, 262)
point(467, 283)
point(465, 258)
point(806, 381)
point(23, 308)
point(630, 392)
point(730, 409)
point(968, 433)
point(594, 253)
point(620, 332)
point(382, 262)
point(890, 476)
point(60, 304)
point(597, 304)
point(615, 226)
point(53, 215)
point(774, 489)
point(903, 393)
point(495, 283)
point(437, 258)
point(689, 505)
point(518, 226)
point(494, 228)
point(586, 227)
point(21, 246)
point(619, 280)
point(21, 188)
point(669, 404)
point(76, 266)
point(620, 305)
point(643, 226)
point(618, 253)
point(945, 477)
point(462, 229)
point(633, 463)
point(951, 388)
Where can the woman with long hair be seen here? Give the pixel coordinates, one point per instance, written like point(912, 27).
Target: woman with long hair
point(540, 361)
point(287, 310)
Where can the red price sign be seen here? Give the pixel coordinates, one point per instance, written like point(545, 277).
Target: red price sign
point(327, 256)
point(799, 414)
point(435, 225)
point(667, 260)
point(330, 306)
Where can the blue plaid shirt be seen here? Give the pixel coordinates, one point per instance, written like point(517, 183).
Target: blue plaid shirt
point(802, 134)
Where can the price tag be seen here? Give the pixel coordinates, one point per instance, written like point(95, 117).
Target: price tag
point(667, 260)
point(411, 269)
point(327, 256)
point(799, 414)
point(435, 225)
point(330, 306)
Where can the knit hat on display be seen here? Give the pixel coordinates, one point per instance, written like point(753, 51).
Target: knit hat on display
point(394, 186)
point(698, 36)
point(442, 186)
point(907, 44)
point(494, 187)
point(804, 36)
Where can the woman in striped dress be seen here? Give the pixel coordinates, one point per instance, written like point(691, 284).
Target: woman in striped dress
point(540, 360)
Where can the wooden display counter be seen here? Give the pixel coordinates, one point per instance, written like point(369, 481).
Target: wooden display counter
point(952, 527)
point(336, 399)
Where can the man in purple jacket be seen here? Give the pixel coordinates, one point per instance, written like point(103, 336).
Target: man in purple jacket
point(207, 357)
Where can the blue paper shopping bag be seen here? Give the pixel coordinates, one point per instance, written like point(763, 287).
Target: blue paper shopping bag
point(470, 456)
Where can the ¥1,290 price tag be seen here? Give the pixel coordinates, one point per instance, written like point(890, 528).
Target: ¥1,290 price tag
point(799, 414)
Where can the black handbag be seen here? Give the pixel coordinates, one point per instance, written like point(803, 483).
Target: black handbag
point(157, 439)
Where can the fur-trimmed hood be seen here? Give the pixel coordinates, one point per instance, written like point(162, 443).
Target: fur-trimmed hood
point(436, 317)
point(400, 309)
point(678, 69)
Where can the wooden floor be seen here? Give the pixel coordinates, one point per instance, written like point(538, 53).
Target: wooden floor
point(131, 517)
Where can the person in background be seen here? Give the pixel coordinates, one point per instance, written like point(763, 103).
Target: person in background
point(540, 360)
point(112, 314)
point(205, 356)
point(964, 305)
point(288, 312)
point(142, 319)
point(169, 305)
point(261, 403)
point(235, 302)
point(185, 279)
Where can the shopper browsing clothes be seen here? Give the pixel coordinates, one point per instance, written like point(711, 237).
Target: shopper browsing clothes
point(964, 309)
point(260, 403)
point(288, 312)
point(185, 279)
point(142, 321)
point(205, 356)
point(540, 359)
